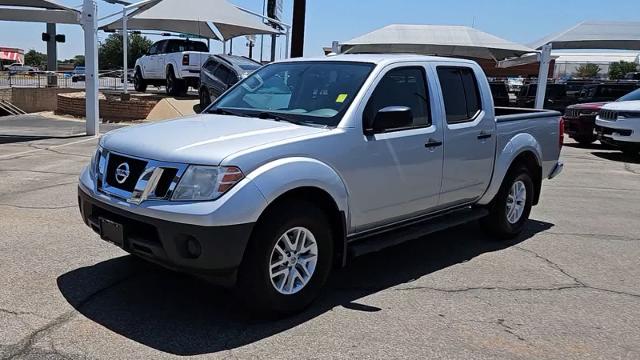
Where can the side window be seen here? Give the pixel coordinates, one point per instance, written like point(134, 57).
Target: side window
point(405, 86)
point(223, 74)
point(460, 92)
point(154, 49)
point(210, 65)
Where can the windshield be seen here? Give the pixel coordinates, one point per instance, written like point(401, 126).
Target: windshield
point(634, 95)
point(315, 93)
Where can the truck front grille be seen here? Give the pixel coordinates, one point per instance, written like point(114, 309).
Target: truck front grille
point(136, 180)
point(134, 168)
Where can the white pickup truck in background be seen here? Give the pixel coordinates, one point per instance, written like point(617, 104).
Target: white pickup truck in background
point(173, 63)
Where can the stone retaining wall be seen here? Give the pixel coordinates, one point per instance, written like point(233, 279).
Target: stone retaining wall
point(112, 108)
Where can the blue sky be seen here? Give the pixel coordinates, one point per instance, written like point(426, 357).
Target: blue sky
point(520, 21)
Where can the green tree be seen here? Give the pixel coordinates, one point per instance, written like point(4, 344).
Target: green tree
point(110, 51)
point(34, 58)
point(78, 60)
point(618, 70)
point(588, 71)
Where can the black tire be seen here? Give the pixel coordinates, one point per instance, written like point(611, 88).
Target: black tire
point(175, 86)
point(205, 98)
point(585, 140)
point(630, 151)
point(255, 287)
point(497, 224)
point(138, 82)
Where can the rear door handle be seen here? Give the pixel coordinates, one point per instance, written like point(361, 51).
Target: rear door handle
point(432, 143)
point(484, 135)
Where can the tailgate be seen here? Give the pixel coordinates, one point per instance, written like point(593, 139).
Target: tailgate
point(196, 59)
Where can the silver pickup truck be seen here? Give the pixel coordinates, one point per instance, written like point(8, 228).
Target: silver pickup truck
point(307, 163)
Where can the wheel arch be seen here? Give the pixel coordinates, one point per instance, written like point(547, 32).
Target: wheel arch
point(309, 180)
point(522, 149)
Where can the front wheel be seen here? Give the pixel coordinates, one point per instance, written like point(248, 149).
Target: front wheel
point(205, 99)
point(511, 207)
point(288, 259)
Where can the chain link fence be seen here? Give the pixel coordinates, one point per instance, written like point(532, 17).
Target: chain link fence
point(108, 80)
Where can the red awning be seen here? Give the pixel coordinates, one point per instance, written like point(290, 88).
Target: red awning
point(12, 54)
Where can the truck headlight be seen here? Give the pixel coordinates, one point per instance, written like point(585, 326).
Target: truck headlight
point(629, 114)
point(206, 182)
point(95, 161)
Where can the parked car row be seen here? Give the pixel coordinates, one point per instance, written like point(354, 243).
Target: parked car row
point(559, 96)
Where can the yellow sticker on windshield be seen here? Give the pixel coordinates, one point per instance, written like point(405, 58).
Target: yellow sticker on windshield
point(341, 98)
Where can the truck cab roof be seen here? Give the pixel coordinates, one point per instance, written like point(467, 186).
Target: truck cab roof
point(382, 59)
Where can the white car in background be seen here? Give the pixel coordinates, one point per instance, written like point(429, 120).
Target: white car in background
point(618, 124)
point(173, 63)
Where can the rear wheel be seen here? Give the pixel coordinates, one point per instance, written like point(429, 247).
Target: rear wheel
point(175, 86)
point(287, 261)
point(511, 207)
point(138, 82)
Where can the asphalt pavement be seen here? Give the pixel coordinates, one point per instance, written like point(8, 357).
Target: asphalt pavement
point(568, 288)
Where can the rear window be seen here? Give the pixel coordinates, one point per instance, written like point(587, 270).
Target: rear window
point(185, 45)
point(460, 92)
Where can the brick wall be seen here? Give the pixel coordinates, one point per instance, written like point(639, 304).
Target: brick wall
point(37, 99)
point(111, 107)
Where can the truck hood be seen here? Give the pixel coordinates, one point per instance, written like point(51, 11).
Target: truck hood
point(201, 139)
point(623, 105)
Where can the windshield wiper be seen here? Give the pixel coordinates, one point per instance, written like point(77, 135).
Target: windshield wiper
point(279, 117)
point(221, 111)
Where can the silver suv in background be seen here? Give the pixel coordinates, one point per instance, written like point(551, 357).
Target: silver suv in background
point(307, 163)
point(221, 72)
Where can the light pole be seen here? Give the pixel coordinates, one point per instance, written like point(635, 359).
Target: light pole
point(297, 33)
point(89, 22)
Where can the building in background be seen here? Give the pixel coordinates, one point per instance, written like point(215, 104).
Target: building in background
point(10, 55)
point(566, 63)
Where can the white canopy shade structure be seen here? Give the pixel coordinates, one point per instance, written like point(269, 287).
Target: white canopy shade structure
point(623, 35)
point(442, 40)
point(612, 35)
point(193, 17)
point(47, 11)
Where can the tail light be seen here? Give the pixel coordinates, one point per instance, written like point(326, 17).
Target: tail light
point(185, 59)
point(561, 132)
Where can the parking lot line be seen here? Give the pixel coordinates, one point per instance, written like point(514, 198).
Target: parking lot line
point(47, 148)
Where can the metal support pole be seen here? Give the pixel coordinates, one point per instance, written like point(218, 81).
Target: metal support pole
point(52, 55)
point(273, 47)
point(89, 19)
point(125, 52)
point(297, 38)
point(543, 75)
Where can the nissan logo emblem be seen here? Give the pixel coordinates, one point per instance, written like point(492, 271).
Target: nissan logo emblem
point(122, 173)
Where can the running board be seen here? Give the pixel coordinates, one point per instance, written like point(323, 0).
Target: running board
point(373, 243)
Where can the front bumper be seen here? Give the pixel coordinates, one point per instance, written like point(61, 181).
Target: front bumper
point(212, 251)
point(623, 133)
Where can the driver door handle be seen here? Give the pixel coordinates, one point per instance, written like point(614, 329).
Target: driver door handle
point(432, 143)
point(484, 135)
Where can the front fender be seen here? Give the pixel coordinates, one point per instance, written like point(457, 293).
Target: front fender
point(505, 157)
point(280, 176)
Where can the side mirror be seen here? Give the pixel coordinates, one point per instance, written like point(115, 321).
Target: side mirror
point(390, 117)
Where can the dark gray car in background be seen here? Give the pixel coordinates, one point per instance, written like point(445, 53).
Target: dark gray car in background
point(220, 72)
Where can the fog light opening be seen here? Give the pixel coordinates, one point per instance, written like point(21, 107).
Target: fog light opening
point(194, 250)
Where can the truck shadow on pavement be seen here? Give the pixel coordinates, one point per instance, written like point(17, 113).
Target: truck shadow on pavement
point(618, 156)
point(183, 315)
